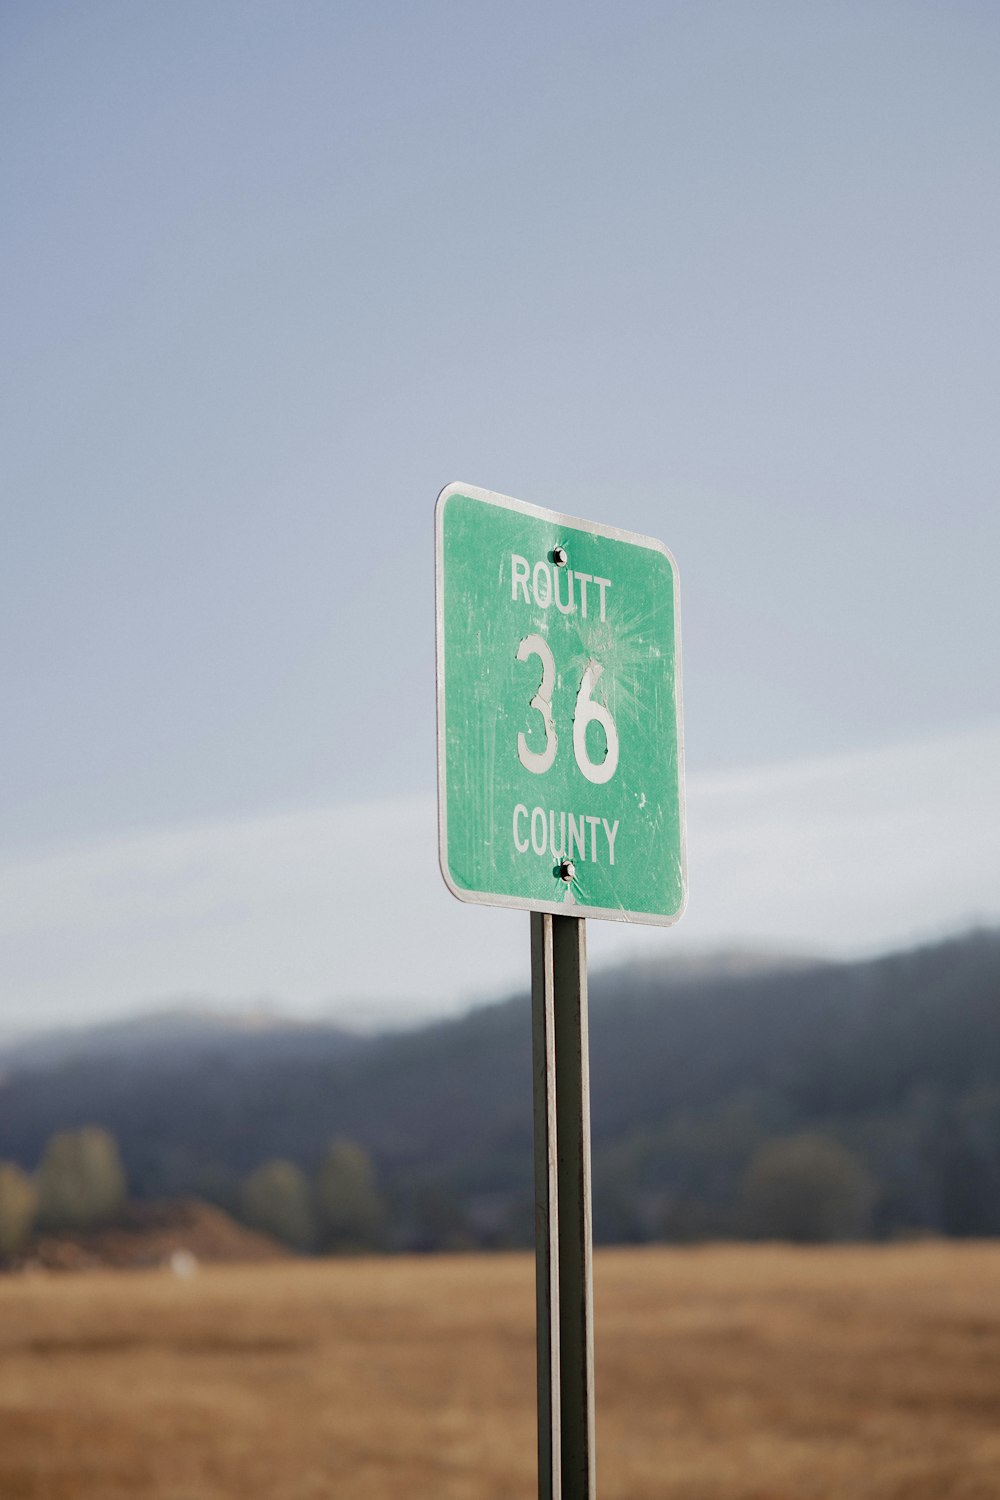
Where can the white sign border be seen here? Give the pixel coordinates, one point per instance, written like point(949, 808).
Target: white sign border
point(565, 908)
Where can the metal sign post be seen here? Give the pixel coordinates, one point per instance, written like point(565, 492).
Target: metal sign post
point(563, 1239)
point(561, 792)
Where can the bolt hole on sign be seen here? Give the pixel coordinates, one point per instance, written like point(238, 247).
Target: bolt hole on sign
point(560, 747)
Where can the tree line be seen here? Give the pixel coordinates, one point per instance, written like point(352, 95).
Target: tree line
point(805, 1187)
point(80, 1185)
point(340, 1210)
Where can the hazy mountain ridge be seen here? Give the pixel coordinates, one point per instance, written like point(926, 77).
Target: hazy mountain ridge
point(897, 1058)
point(179, 1033)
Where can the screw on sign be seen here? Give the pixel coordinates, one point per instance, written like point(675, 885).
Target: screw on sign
point(560, 791)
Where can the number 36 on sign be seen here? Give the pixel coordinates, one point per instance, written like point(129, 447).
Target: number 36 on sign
point(560, 753)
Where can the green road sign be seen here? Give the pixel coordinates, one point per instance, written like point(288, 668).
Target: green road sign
point(560, 754)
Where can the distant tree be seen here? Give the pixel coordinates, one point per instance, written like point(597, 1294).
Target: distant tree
point(689, 1220)
point(18, 1207)
point(617, 1214)
point(81, 1182)
point(277, 1200)
point(807, 1188)
point(969, 1157)
point(350, 1212)
point(518, 1228)
point(440, 1220)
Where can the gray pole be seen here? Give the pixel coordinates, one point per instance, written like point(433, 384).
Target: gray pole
point(563, 1256)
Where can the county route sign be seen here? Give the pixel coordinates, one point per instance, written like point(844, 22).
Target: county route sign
point(560, 757)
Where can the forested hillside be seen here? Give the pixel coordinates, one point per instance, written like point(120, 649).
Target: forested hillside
point(814, 1100)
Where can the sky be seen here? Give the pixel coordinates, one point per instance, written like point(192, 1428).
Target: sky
point(716, 273)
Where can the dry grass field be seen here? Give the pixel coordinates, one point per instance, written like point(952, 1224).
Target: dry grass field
point(723, 1374)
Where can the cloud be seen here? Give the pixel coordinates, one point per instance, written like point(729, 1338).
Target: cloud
point(852, 853)
point(341, 910)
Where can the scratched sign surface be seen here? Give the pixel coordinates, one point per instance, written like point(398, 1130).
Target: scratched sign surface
point(560, 761)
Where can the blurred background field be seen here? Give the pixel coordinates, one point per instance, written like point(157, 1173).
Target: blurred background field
point(724, 1373)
